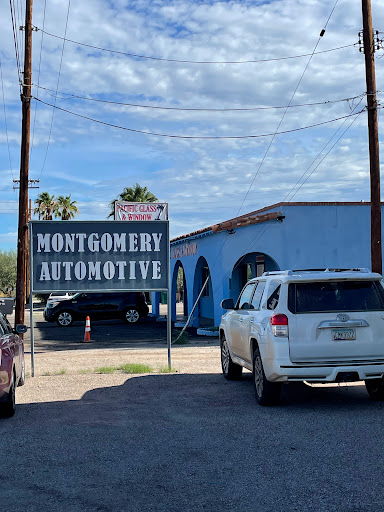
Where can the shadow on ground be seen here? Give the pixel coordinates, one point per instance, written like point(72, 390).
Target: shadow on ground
point(195, 442)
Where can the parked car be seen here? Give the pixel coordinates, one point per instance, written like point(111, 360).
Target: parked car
point(58, 296)
point(130, 306)
point(12, 366)
point(316, 326)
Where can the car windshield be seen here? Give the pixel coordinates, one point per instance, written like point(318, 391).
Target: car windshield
point(335, 296)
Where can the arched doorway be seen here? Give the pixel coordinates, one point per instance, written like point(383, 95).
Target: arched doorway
point(179, 289)
point(204, 312)
point(248, 266)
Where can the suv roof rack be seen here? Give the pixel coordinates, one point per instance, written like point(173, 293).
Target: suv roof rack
point(291, 272)
point(278, 273)
point(364, 270)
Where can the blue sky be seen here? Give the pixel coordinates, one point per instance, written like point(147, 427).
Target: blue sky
point(204, 181)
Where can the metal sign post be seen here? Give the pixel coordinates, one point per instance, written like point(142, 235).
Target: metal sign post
point(32, 325)
point(169, 323)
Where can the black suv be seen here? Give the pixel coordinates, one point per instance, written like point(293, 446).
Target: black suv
point(130, 306)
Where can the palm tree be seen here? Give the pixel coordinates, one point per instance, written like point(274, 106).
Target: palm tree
point(65, 208)
point(45, 206)
point(135, 194)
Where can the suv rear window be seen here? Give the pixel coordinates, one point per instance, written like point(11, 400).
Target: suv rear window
point(335, 296)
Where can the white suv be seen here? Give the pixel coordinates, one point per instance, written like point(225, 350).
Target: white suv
point(306, 325)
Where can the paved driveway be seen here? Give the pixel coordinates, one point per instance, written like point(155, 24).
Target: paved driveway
point(189, 442)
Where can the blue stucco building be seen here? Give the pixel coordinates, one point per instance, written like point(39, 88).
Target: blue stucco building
point(281, 236)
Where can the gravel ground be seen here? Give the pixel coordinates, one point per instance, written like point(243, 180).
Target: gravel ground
point(64, 375)
point(187, 441)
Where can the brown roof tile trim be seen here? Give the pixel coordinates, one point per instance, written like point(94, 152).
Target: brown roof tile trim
point(247, 216)
point(246, 221)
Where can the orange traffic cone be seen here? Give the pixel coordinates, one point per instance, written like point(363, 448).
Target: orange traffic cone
point(87, 332)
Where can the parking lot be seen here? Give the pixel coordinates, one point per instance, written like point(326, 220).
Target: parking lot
point(189, 440)
point(104, 333)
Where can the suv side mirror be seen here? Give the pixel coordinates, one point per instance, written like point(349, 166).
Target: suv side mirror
point(227, 304)
point(21, 329)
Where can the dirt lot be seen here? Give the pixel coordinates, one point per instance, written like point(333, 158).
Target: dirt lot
point(186, 441)
point(74, 365)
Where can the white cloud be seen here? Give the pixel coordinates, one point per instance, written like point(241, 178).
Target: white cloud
point(205, 181)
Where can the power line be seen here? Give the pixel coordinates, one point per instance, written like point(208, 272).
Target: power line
point(206, 137)
point(194, 109)
point(138, 56)
point(326, 154)
point(273, 138)
point(15, 40)
point(57, 87)
point(19, 28)
point(5, 120)
point(267, 226)
point(290, 101)
point(38, 80)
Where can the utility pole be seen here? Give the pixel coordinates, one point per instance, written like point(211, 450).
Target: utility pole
point(22, 238)
point(374, 161)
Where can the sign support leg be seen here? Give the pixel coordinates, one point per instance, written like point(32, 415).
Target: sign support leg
point(32, 335)
point(32, 324)
point(169, 322)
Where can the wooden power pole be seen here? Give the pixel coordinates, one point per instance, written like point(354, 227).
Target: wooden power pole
point(22, 238)
point(369, 52)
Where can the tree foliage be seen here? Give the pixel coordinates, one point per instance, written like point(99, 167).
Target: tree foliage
point(65, 208)
point(135, 194)
point(47, 207)
point(8, 265)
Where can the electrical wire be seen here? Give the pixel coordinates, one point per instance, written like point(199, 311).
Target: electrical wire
point(38, 82)
point(201, 137)
point(138, 56)
point(265, 154)
point(323, 158)
point(19, 29)
point(5, 120)
point(195, 109)
point(318, 156)
point(57, 88)
point(15, 40)
point(286, 110)
point(268, 225)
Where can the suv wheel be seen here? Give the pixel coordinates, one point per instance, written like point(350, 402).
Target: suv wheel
point(65, 319)
point(375, 388)
point(231, 370)
point(131, 315)
point(267, 393)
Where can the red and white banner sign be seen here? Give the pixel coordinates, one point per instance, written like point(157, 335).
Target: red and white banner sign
point(140, 211)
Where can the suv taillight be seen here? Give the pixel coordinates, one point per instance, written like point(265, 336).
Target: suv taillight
point(279, 325)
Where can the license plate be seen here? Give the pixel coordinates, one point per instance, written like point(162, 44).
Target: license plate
point(343, 334)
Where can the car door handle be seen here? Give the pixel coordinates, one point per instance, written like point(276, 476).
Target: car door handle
point(241, 319)
point(251, 320)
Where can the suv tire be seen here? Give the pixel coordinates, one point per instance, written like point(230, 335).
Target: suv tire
point(64, 319)
point(375, 388)
point(231, 370)
point(267, 393)
point(131, 316)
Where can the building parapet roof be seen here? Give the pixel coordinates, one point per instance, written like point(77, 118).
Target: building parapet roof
point(257, 217)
